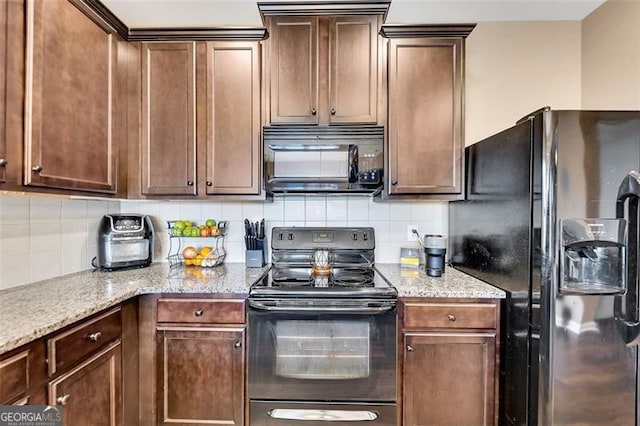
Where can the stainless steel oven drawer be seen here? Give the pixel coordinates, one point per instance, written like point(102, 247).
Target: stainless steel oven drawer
point(270, 413)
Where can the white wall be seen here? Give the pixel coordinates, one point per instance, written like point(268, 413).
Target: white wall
point(390, 219)
point(514, 68)
point(611, 56)
point(46, 236)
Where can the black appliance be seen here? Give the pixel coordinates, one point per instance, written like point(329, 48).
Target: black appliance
point(334, 159)
point(124, 241)
point(539, 221)
point(322, 332)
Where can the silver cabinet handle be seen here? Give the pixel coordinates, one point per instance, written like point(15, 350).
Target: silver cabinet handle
point(409, 348)
point(209, 183)
point(394, 183)
point(198, 313)
point(313, 111)
point(37, 169)
point(189, 183)
point(3, 162)
point(451, 317)
point(333, 111)
point(94, 337)
point(238, 344)
point(64, 399)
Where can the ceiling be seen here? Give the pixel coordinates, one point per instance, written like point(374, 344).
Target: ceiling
point(217, 13)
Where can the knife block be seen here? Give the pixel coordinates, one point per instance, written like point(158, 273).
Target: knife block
point(256, 258)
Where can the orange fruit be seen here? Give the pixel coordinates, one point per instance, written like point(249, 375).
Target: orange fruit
point(189, 252)
point(198, 260)
point(204, 251)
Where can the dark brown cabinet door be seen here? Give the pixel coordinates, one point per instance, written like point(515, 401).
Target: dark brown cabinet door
point(425, 116)
point(293, 57)
point(71, 120)
point(168, 119)
point(200, 376)
point(353, 77)
point(449, 378)
point(91, 393)
point(12, 14)
point(233, 118)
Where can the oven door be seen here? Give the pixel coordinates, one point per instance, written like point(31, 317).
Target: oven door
point(322, 350)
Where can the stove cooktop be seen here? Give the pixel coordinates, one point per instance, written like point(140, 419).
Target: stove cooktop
point(339, 283)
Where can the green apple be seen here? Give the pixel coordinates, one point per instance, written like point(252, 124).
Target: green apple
point(179, 224)
point(210, 223)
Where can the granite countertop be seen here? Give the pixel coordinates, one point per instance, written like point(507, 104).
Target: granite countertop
point(453, 283)
point(31, 311)
point(34, 310)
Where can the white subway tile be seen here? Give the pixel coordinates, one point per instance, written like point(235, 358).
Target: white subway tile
point(382, 231)
point(235, 251)
point(74, 251)
point(315, 224)
point(15, 270)
point(169, 210)
point(46, 209)
point(190, 211)
point(97, 208)
point(336, 208)
point(14, 238)
point(45, 265)
point(358, 208)
point(378, 211)
point(400, 210)
point(74, 209)
point(316, 209)
point(232, 211)
point(337, 223)
point(44, 237)
point(114, 207)
point(235, 230)
point(14, 208)
point(209, 210)
point(398, 231)
point(358, 223)
point(253, 210)
point(274, 210)
point(294, 209)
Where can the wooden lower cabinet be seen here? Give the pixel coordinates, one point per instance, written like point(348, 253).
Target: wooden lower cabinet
point(449, 361)
point(91, 393)
point(449, 378)
point(200, 376)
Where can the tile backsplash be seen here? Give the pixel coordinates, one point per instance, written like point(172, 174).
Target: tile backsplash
point(390, 219)
point(46, 236)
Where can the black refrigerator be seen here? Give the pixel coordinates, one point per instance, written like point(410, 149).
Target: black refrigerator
point(551, 216)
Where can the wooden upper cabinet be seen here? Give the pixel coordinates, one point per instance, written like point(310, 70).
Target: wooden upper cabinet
point(353, 84)
point(425, 115)
point(168, 153)
point(323, 70)
point(233, 118)
point(294, 70)
point(12, 39)
point(71, 120)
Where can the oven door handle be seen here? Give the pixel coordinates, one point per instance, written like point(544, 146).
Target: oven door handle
point(322, 415)
point(364, 309)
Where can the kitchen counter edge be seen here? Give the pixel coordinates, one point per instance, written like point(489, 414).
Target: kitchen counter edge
point(35, 310)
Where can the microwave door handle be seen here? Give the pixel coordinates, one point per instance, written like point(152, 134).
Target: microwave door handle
point(628, 322)
point(322, 415)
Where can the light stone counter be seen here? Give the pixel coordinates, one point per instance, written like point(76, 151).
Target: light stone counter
point(453, 283)
point(34, 310)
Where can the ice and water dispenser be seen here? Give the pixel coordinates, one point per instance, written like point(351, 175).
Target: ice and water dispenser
point(593, 256)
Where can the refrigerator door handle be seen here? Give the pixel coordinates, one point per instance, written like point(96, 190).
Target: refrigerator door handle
point(628, 321)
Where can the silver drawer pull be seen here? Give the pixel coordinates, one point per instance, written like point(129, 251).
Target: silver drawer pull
point(64, 399)
point(237, 344)
point(95, 336)
point(322, 415)
point(409, 348)
point(451, 317)
point(198, 313)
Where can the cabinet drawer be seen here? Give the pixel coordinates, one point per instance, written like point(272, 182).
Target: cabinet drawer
point(450, 315)
point(14, 372)
point(69, 347)
point(201, 311)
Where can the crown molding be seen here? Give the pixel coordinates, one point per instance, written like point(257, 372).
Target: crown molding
point(436, 30)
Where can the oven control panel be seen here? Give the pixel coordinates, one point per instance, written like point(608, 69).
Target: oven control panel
point(331, 238)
